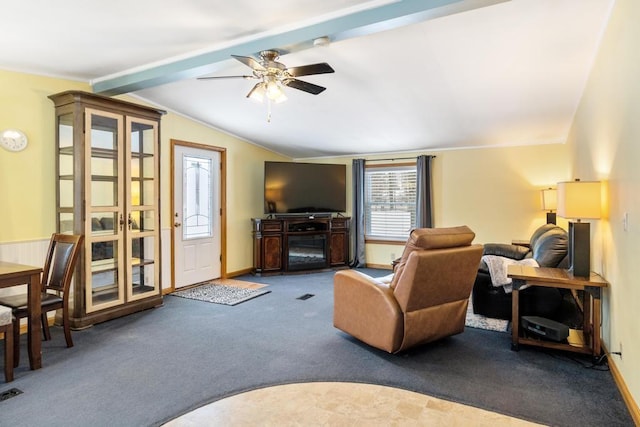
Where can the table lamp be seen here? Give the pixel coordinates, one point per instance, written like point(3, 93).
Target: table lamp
point(550, 203)
point(579, 200)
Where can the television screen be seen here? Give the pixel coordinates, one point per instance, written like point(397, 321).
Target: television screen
point(291, 188)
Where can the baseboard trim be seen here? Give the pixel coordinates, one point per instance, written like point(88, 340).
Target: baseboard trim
point(632, 406)
point(242, 272)
point(380, 266)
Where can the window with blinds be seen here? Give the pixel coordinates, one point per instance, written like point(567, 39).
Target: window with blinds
point(390, 201)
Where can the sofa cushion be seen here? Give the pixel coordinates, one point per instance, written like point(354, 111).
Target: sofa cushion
point(107, 223)
point(551, 247)
point(539, 232)
point(6, 315)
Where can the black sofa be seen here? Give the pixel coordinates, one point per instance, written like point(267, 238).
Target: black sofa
point(549, 247)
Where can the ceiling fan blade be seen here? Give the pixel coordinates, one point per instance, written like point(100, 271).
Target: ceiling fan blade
point(304, 86)
point(307, 70)
point(250, 62)
point(227, 77)
point(258, 89)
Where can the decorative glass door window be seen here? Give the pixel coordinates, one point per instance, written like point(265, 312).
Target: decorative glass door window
point(197, 203)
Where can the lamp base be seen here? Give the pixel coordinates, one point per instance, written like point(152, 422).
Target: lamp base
point(551, 217)
point(580, 249)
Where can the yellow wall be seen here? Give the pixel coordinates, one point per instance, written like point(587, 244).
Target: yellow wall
point(495, 191)
point(27, 185)
point(244, 183)
point(605, 138)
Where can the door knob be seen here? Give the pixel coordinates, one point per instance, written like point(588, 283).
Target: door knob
point(177, 224)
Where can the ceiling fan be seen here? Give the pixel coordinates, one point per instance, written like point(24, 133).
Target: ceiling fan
point(272, 75)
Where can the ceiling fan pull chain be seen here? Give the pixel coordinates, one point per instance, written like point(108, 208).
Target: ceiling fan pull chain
point(268, 110)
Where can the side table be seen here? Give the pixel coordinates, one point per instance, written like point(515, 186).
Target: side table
point(588, 340)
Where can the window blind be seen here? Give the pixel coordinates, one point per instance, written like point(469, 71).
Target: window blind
point(390, 201)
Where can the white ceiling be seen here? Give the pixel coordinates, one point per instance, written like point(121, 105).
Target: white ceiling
point(496, 73)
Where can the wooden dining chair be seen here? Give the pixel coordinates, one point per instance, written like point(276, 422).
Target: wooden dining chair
point(6, 320)
point(56, 278)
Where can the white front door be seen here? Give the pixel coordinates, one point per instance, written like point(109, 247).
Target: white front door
point(196, 215)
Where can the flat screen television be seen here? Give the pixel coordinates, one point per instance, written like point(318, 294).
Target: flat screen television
point(304, 188)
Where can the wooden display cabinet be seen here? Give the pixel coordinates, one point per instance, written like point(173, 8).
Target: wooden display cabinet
point(107, 174)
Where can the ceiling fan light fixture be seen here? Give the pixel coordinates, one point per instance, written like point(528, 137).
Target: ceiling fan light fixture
point(258, 92)
point(274, 91)
point(273, 76)
point(281, 98)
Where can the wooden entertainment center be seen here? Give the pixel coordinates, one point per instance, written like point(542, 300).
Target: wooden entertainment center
point(293, 244)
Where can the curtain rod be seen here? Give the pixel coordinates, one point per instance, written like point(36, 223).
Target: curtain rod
point(397, 158)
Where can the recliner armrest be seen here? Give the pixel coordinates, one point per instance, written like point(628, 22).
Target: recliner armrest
point(367, 309)
point(363, 290)
point(506, 250)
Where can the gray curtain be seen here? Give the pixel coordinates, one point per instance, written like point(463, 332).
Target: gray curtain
point(424, 192)
point(357, 221)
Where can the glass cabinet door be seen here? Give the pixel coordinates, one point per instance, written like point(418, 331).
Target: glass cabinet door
point(104, 227)
point(66, 176)
point(142, 206)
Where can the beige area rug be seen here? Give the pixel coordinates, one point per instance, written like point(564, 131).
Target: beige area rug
point(223, 291)
point(340, 404)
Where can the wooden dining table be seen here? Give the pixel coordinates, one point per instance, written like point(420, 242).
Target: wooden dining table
point(12, 274)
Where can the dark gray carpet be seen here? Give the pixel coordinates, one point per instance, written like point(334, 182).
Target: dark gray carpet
point(147, 368)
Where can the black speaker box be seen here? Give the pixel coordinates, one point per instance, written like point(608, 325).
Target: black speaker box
point(545, 328)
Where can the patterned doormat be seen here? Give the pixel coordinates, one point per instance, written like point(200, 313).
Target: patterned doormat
point(223, 291)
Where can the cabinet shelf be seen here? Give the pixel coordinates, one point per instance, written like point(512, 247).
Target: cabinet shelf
point(104, 295)
point(108, 265)
point(104, 153)
point(104, 178)
point(68, 151)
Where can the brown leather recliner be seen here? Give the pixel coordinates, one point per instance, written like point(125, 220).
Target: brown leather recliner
point(426, 300)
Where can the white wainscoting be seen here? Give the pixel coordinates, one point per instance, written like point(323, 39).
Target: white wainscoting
point(30, 252)
point(33, 252)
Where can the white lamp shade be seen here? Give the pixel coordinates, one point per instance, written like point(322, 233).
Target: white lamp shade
point(549, 199)
point(579, 199)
